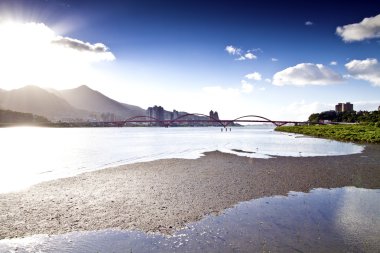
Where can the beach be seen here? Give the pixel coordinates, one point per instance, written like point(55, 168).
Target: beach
point(165, 195)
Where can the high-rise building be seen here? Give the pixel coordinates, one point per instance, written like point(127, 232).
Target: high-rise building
point(339, 107)
point(156, 112)
point(347, 107)
point(214, 115)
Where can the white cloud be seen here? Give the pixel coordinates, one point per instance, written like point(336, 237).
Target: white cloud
point(309, 23)
point(346, 76)
point(262, 89)
point(274, 59)
point(254, 76)
point(240, 54)
point(45, 58)
point(246, 87)
point(368, 70)
point(368, 28)
point(268, 80)
point(306, 74)
point(333, 63)
point(250, 56)
point(233, 50)
point(98, 48)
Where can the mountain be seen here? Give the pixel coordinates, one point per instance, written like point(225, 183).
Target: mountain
point(32, 99)
point(79, 104)
point(91, 100)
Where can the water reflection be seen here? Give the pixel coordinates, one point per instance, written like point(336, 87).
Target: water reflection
point(337, 220)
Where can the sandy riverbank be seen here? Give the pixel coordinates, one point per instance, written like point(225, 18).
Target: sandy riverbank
point(164, 195)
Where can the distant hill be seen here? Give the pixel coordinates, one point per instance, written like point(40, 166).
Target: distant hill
point(79, 104)
point(91, 100)
point(35, 100)
point(11, 117)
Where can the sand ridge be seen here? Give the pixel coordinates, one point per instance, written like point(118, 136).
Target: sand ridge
point(164, 195)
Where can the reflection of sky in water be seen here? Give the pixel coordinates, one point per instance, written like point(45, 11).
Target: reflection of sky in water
point(31, 155)
point(337, 220)
point(354, 220)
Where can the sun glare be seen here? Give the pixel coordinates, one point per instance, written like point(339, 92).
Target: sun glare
point(30, 55)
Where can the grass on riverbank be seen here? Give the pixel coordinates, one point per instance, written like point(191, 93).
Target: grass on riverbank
point(355, 133)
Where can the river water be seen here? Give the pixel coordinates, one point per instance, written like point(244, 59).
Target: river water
point(324, 220)
point(31, 154)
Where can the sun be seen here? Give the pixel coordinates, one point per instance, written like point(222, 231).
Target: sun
point(30, 54)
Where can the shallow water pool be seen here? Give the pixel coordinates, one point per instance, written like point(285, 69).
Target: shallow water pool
point(324, 220)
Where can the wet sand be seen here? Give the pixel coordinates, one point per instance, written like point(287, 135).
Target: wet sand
point(164, 195)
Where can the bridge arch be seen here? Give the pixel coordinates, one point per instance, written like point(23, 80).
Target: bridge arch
point(253, 116)
point(134, 118)
point(197, 114)
point(223, 123)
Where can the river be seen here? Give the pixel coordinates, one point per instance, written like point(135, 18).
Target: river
point(30, 155)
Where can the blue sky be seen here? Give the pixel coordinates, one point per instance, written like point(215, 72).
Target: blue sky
point(195, 55)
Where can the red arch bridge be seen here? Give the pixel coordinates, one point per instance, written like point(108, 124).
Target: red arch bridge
point(201, 119)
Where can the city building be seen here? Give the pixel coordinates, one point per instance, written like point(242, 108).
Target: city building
point(165, 118)
point(156, 112)
point(174, 115)
point(214, 115)
point(347, 107)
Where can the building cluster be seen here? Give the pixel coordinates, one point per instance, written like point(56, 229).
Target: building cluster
point(347, 107)
point(156, 112)
point(214, 115)
point(159, 113)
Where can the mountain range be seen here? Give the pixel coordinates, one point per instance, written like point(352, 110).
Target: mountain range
point(78, 104)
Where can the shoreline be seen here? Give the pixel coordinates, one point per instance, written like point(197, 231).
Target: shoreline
point(164, 195)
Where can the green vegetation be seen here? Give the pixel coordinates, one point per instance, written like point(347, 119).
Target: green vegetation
point(350, 117)
point(8, 117)
point(369, 132)
point(366, 130)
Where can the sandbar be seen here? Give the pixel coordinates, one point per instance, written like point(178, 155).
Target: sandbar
point(164, 195)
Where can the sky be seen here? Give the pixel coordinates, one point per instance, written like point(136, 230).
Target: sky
point(279, 59)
